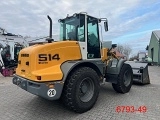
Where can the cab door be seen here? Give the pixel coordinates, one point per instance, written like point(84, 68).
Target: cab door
point(93, 42)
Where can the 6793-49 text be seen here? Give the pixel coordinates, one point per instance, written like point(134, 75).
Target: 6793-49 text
point(131, 109)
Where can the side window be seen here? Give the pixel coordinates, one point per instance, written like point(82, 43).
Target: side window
point(81, 29)
point(93, 43)
point(93, 35)
point(81, 34)
point(73, 28)
point(71, 32)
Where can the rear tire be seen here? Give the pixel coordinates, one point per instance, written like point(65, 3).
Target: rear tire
point(125, 79)
point(81, 90)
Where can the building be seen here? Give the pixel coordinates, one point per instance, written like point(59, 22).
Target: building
point(7, 38)
point(38, 40)
point(154, 47)
point(142, 54)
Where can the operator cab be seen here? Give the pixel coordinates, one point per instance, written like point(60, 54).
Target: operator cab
point(84, 29)
point(17, 49)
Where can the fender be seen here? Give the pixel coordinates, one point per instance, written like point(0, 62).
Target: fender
point(112, 72)
point(68, 66)
point(115, 69)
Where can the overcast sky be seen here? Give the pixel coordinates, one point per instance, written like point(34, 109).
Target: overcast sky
point(130, 21)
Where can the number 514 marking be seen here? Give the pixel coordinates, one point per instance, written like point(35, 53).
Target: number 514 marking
point(48, 57)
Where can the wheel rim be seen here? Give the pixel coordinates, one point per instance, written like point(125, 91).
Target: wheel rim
point(127, 78)
point(86, 89)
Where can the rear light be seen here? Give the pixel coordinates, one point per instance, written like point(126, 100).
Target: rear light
point(38, 77)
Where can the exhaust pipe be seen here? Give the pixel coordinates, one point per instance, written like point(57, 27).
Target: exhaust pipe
point(50, 31)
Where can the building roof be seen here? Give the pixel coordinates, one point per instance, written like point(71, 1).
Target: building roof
point(41, 39)
point(157, 34)
point(142, 51)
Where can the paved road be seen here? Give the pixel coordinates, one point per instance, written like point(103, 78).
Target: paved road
point(17, 104)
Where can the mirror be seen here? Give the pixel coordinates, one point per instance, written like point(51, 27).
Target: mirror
point(106, 26)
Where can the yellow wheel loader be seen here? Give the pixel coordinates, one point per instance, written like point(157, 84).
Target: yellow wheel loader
point(74, 67)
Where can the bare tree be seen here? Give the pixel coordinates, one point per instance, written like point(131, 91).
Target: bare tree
point(120, 48)
point(124, 49)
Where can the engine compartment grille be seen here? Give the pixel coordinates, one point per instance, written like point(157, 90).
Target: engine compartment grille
point(24, 55)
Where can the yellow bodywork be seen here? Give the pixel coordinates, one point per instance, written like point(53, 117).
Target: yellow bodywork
point(48, 70)
point(104, 54)
point(107, 58)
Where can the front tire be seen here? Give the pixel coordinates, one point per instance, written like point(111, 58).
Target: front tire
point(81, 89)
point(125, 79)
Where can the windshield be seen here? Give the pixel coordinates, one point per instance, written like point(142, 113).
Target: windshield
point(72, 28)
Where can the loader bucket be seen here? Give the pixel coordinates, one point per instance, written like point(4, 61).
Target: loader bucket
point(140, 72)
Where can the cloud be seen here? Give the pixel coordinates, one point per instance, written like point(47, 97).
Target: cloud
point(134, 24)
point(126, 18)
point(29, 17)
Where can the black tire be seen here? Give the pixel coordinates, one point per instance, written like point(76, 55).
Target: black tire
point(125, 79)
point(81, 90)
